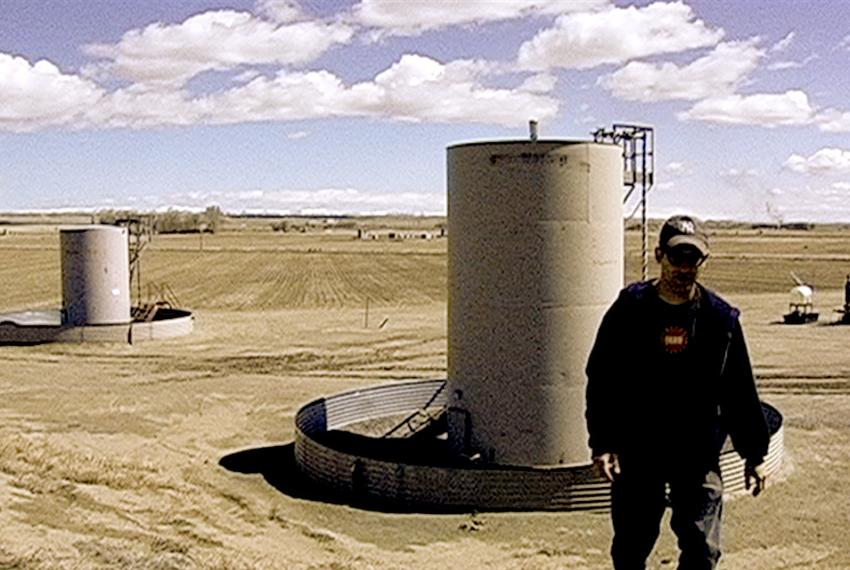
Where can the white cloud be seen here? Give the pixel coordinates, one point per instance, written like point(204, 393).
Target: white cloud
point(736, 174)
point(750, 182)
point(418, 88)
point(320, 201)
point(763, 109)
point(281, 11)
point(219, 40)
point(781, 65)
point(287, 96)
point(677, 169)
point(845, 42)
point(833, 121)
point(246, 76)
point(413, 18)
point(824, 161)
point(346, 200)
point(137, 107)
point(721, 71)
point(39, 95)
point(841, 185)
point(415, 88)
point(784, 43)
point(539, 83)
point(297, 135)
point(616, 35)
point(788, 64)
point(813, 203)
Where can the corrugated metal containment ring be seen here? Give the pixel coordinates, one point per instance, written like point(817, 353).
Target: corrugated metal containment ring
point(16, 328)
point(411, 471)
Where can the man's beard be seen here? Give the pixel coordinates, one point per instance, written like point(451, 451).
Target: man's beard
point(682, 283)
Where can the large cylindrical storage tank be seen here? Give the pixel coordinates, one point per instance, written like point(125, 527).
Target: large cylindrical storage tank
point(535, 258)
point(95, 276)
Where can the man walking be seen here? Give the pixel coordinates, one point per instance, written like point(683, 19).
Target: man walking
point(668, 377)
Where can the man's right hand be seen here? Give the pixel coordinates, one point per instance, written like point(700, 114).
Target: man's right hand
point(607, 465)
point(755, 478)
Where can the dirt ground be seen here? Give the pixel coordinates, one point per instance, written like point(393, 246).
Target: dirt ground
point(173, 454)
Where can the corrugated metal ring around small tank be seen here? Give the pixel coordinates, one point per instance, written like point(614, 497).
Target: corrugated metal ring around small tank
point(413, 467)
point(44, 326)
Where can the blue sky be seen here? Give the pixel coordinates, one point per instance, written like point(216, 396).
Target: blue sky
point(348, 106)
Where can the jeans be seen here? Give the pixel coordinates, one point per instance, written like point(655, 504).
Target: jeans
point(638, 500)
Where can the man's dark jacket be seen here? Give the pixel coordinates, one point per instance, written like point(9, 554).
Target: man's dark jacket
point(686, 418)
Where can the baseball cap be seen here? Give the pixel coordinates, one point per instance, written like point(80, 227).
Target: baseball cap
point(683, 230)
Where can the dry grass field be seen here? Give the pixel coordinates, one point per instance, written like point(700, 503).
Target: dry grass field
point(122, 456)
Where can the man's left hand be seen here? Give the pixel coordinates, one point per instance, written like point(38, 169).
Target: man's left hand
point(755, 477)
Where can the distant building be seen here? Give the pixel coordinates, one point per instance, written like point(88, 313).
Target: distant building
point(395, 235)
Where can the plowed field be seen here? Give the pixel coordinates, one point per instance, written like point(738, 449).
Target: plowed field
point(122, 456)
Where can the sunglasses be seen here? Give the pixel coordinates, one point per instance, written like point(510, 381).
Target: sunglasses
point(680, 257)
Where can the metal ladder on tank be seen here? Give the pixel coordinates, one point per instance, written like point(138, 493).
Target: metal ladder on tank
point(159, 296)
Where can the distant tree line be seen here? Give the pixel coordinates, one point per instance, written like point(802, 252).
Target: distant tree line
point(303, 224)
point(170, 221)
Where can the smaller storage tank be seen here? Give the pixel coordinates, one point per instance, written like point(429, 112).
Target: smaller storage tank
point(95, 276)
point(800, 309)
point(801, 296)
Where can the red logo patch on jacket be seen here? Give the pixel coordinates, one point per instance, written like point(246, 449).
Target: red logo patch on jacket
point(675, 339)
